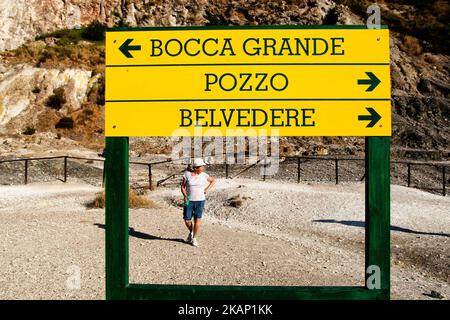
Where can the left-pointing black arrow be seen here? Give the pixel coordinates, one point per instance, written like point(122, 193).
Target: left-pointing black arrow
point(374, 117)
point(125, 48)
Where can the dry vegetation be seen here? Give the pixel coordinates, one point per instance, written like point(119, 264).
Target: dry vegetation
point(69, 48)
point(426, 20)
point(135, 200)
point(87, 56)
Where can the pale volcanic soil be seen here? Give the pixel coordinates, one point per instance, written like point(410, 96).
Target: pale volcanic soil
point(283, 234)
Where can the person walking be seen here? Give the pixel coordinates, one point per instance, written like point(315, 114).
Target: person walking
point(194, 187)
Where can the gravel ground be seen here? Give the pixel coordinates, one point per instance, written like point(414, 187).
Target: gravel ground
point(283, 234)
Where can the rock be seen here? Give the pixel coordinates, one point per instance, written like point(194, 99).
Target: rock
point(235, 201)
point(25, 89)
point(23, 20)
point(424, 86)
point(51, 41)
point(436, 295)
point(320, 150)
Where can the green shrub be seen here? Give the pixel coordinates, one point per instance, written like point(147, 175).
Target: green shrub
point(135, 200)
point(101, 91)
point(411, 45)
point(88, 112)
point(64, 36)
point(65, 123)
point(45, 55)
point(95, 31)
point(29, 131)
point(57, 99)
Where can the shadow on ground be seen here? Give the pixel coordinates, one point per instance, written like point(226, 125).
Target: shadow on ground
point(142, 235)
point(362, 224)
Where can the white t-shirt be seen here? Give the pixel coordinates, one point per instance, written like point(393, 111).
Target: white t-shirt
point(195, 185)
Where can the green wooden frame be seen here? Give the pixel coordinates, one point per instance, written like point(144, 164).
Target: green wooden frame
point(377, 227)
point(377, 233)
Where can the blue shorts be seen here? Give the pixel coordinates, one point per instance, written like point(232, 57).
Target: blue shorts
point(194, 208)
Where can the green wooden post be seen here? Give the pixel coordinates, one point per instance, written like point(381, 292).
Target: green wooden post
point(116, 217)
point(378, 210)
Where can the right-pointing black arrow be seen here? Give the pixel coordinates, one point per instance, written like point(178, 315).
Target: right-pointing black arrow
point(374, 117)
point(125, 48)
point(373, 81)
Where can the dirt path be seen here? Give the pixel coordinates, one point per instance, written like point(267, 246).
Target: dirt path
point(316, 241)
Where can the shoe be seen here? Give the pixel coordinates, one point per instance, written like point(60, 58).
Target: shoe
point(194, 242)
point(189, 238)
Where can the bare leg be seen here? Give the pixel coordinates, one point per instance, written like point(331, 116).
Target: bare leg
point(197, 223)
point(188, 224)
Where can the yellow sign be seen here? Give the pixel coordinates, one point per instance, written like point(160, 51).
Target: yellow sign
point(285, 80)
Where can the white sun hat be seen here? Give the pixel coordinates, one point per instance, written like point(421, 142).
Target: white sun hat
point(198, 162)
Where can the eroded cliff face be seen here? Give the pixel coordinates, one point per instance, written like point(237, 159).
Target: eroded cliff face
point(23, 20)
point(24, 89)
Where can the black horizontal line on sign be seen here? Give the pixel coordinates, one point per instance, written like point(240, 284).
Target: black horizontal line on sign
point(245, 64)
point(225, 100)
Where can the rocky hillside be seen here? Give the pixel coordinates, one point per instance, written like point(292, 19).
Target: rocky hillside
point(52, 68)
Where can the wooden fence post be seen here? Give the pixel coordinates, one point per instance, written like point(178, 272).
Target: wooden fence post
point(150, 177)
point(264, 169)
point(409, 175)
point(104, 174)
point(336, 170)
point(444, 192)
point(26, 171)
point(65, 169)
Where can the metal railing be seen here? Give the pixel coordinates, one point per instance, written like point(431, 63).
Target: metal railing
point(440, 166)
point(28, 160)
